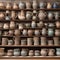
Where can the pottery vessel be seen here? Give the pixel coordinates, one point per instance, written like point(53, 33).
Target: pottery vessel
point(49, 6)
point(30, 32)
point(15, 5)
point(31, 53)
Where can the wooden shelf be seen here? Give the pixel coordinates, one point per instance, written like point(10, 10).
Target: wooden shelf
point(29, 57)
point(31, 46)
point(52, 9)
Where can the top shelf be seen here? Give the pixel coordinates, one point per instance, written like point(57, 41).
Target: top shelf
point(52, 9)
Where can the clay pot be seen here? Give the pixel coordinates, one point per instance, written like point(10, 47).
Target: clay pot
point(11, 32)
point(21, 26)
point(12, 25)
point(50, 15)
point(15, 5)
point(44, 32)
point(34, 4)
point(49, 6)
point(6, 26)
point(28, 5)
point(27, 25)
point(36, 40)
point(17, 32)
point(16, 52)
point(40, 24)
point(56, 41)
point(31, 53)
point(10, 52)
point(10, 42)
point(33, 24)
point(42, 15)
point(2, 5)
point(4, 41)
point(43, 52)
point(58, 51)
point(23, 42)
point(13, 15)
point(30, 32)
point(43, 41)
point(57, 32)
point(24, 52)
point(34, 17)
point(24, 32)
point(17, 41)
point(2, 53)
point(2, 15)
point(50, 42)
point(7, 17)
point(58, 24)
point(37, 32)
point(37, 53)
point(21, 15)
point(5, 33)
point(22, 5)
point(28, 15)
point(8, 6)
point(51, 52)
point(1, 25)
point(29, 41)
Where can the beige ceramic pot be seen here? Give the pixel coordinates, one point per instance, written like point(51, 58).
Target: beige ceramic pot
point(31, 53)
point(58, 24)
point(30, 32)
point(11, 32)
point(49, 6)
point(15, 5)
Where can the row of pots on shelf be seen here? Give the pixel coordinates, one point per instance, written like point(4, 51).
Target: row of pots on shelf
point(33, 24)
point(27, 52)
point(29, 15)
point(29, 4)
point(30, 32)
point(30, 41)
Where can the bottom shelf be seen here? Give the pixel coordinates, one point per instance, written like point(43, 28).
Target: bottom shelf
point(29, 57)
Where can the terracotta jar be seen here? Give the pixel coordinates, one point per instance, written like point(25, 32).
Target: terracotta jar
point(22, 5)
point(50, 32)
point(37, 53)
point(17, 32)
point(43, 41)
point(37, 32)
point(49, 6)
point(31, 53)
point(11, 32)
point(42, 15)
point(12, 25)
point(8, 6)
point(34, 4)
point(10, 52)
point(2, 5)
point(15, 5)
point(28, 5)
point(29, 41)
point(30, 32)
point(57, 32)
point(1, 25)
point(6, 26)
point(24, 32)
point(56, 41)
point(4, 41)
point(21, 26)
point(33, 24)
point(43, 52)
point(44, 32)
point(16, 52)
point(17, 41)
point(28, 15)
point(58, 24)
point(36, 40)
point(10, 42)
point(2, 53)
point(13, 15)
point(2, 15)
point(50, 15)
point(40, 24)
point(23, 42)
point(51, 52)
point(50, 42)
point(24, 52)
point(21, 15)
